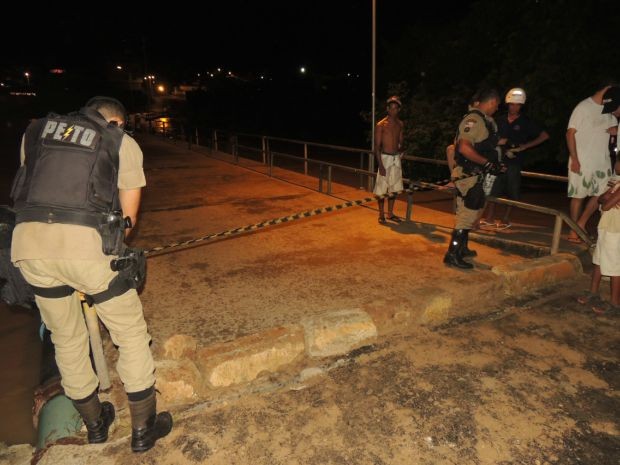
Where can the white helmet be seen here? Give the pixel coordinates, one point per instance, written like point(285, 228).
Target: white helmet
point(516, 95)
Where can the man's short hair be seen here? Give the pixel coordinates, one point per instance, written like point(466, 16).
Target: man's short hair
point(486, 94)
point(604, 81)
point(108, 106)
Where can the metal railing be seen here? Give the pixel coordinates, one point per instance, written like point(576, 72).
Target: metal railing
point(326, 168)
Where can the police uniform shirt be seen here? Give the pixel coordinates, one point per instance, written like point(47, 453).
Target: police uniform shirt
point(34, 240)
point(521, 131)
point(473, 129)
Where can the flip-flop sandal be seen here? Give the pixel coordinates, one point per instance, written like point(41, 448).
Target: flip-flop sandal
point(382, 220)
point(606, 308)
point(574, 240)
point(394, 218)
point(587, 297)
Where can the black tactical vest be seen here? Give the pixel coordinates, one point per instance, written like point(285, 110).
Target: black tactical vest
point(487, 148)
point(70, 173)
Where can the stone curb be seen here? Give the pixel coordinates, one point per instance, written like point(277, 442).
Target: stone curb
point(191, 371)
point(527, 276)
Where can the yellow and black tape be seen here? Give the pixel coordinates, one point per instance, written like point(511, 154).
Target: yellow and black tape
point(418, 186)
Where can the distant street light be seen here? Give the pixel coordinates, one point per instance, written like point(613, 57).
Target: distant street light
point(27, 74)
point(302, 70)
point(161, 89)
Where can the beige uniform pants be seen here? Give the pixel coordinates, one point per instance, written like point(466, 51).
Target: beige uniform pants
point(122, 315)
point(465, 217)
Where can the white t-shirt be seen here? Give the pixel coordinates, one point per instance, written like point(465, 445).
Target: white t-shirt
point(592, 137)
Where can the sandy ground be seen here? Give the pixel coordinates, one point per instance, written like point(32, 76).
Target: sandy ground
point(230, 288)
point(538, 385)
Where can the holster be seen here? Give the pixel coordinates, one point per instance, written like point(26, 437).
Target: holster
point(131, 267)
point(475, 198)
point(112, 233)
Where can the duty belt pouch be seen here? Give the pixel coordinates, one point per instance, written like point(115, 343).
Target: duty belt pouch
point(474, 199)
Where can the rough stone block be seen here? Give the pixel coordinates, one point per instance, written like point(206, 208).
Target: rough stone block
point(243, 359)
point(338, 332)
point(180, 346)
point(178, 381)
point(529, 275)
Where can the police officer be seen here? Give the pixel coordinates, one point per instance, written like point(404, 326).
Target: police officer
point(476, 155)
point(76, 197)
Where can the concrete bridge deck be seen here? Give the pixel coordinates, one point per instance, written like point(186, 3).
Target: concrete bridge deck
point(279, 275)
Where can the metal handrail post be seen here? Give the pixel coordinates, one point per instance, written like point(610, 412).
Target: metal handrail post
point(264, 149)
point(235, 148)
point(329, 179)
point(409, 206)
point(361, 168)
point(306, 159)
point(197, 140)
point(215, 140)
point(321, 177)
point(557, 231)
point(371, 168)
point(270, 156)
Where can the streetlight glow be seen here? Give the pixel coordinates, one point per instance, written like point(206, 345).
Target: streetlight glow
point(302, 70)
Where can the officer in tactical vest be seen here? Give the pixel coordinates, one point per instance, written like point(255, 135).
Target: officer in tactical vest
point(476, 158)
point(76, 196)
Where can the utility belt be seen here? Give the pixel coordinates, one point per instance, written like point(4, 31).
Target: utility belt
point(130, 263)
point(131, 267)
point(110, 226)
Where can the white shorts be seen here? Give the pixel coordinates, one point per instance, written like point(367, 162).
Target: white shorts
point(588, 183)
point(393, 179)
point(607, 253)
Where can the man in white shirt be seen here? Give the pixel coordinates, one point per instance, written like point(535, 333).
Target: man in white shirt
point(589, 165)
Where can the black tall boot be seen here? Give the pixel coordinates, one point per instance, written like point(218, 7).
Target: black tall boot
point(453, 256)
point(147, 426)
point(466, 251)
point(97, 417)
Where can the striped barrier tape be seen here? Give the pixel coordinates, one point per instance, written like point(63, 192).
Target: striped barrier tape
point(418, 186)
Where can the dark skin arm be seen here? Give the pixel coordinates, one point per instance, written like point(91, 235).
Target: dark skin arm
point(467, 150)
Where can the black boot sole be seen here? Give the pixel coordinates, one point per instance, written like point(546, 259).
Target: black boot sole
point(161, 428)
point(450, 261)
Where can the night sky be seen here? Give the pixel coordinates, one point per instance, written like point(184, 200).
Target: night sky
point(248, 36)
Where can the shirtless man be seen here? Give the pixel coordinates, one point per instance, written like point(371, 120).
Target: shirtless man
point(388, 146)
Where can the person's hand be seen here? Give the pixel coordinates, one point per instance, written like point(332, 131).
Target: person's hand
point(382, 170)
point(502, 141)
point(613, 131)
point(494, 168)
point(575, 166)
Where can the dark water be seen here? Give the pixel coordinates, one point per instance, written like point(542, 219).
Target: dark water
point(20, 364)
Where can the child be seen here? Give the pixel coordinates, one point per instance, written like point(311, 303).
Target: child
point(606, 257)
